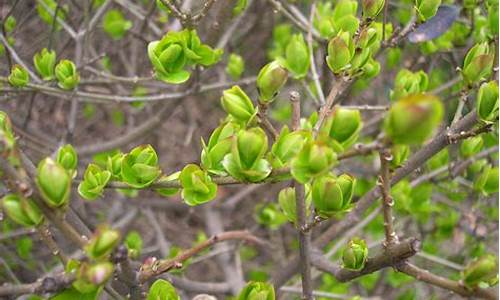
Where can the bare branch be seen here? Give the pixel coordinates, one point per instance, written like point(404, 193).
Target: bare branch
point(454, 286)
point(161, 266)
point(388, 256)
point(387, 201)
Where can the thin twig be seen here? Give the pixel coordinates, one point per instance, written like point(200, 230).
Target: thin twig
point(106, 98)
point(304, 242)
point(46, 236)
point(388, 256)
point(387, 201)
point(454, 137)
point(445, 283)
point(162, 266)
point(314, 71)
point(42, 286)
point(337, 89)
point(265, 122)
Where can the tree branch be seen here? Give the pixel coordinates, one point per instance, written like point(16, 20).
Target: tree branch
point(445, 283)
point(161, 266)
point(387, 201)
point(387, 256)
point(304, 242)
point(49, 284)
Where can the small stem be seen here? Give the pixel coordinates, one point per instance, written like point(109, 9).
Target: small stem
point(445, 283)
point(360, 150)
point(264, 121)
point(308, 226)
point(46, 236)
point(460, 107)
point(338, 87)
point(203, 12)
point(455, 137)
point(161, 266)
point(314, 71)
point(304, 243)
point(295, 101)
point(387, 200)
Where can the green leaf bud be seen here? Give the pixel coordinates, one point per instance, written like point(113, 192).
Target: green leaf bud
point(345, 7)
point(367, 37)
point(287, 201)
point(162, 289)
point(493, 19)
point(343, 126)
point(478, 63)
point(314, 159)
point(47, 16)
point(297, 60)
point(68, 159)
point(400, 154)
point(133, 242)
point(487, 102)
point(197, 186)
point(115, 25)
point(140, 167)
point(360, 59)
point(409, 83)
point(177, 50)
point(426, 9)
point(347, 184)
point(10, 23)
point(218, 146)
point(487, 182)
point(413, 119)
point(393, 57)
point(102, 243)
point(282, 33)
point(355, 255)
point(372, 8)
point(53, 182)
point(7, 138)
point(99, 273)
point(347, 23)
point(345, 10)
point(476, 167)
point(286, 146)
point(246, 162)
point(94, 182)
point(269, 215)
point(200, 53)
point(471, 146)
point(371, 69)
point(169, 58)
point(235, 66)
point(45, 62)
point(257, 291)
point(238, 105)
point(21, 210)
point(340, 52)
point(19, 76)
point(483, 269)
point(332, 195)
point(167, 192)
point(67, 74)
point(114, 165)
point(272, 77)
